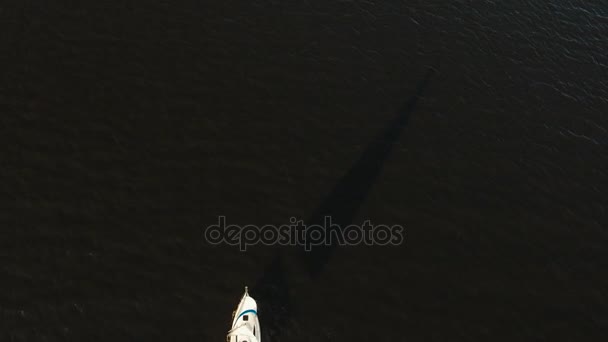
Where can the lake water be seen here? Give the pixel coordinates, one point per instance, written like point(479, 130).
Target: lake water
point(129, 126)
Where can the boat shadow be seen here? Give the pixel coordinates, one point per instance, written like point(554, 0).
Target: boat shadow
point(343, 202)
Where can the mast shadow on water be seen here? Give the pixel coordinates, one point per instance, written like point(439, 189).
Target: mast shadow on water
point(341, 204)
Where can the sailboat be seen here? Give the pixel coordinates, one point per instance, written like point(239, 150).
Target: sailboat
point(245, 322)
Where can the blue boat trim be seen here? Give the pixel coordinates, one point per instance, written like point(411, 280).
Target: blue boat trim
point(247, 311)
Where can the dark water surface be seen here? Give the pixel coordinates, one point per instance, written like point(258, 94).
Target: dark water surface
point(129, 126)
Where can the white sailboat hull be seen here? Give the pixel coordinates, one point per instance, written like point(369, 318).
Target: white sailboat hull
point(245, 323)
